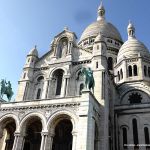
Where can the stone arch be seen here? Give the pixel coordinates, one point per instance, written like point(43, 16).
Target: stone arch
point(29, 116)
point(13, 116)
point(60, 115)
point(57, 68)
point(37, 74)
point(129, 89)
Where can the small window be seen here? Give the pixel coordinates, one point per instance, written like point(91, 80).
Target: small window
point(97, 46)
point(110, 63)
point(130, 71)
point(124, 134)
point(29, 60)
point(145, 71)
point(135, 70)
point(135, 134)
point(148, 71)
point(38, 94)
point(24, 76)
point(135, 98)
point(118, 76)
point(81, 88)
point(147, 142)
point(121, 74)
point(96, 65)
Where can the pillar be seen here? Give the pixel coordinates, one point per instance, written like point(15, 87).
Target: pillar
point(74, 135)
point(43, 141)
point(49, 141)
point(18, 142)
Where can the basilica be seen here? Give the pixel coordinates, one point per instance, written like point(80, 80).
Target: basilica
point(55, 110)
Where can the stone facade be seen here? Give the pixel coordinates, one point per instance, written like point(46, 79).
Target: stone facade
point(53, 109)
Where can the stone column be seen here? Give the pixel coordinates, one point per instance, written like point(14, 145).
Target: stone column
point(18, 142)
point(43, 141)
point(74, 136)
point(49, 141)
point(63, 92)
point(44, 93)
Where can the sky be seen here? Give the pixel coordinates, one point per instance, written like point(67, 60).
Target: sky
point(26, 23)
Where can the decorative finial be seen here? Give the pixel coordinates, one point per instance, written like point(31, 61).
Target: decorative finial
point(131, 30)
point(65, 28)
point(101, 11)
point(35, 46)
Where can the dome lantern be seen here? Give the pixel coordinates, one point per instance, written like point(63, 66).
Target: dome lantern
point(131, 30)
point(101, 12)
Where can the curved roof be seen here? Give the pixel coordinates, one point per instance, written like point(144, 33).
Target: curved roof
point(34, 52)
point(101, 26)
point(132, 47)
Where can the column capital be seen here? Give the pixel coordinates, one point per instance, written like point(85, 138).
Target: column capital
point(44, 133)
point(74, 133)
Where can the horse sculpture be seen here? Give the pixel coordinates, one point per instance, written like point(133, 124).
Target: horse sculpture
point(6, 89)
point(89, 79)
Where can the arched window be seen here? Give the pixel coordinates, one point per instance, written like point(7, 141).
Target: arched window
point(146, 133)
point(135, 133)
point(40, 79)
point(135, 98)
point(135, 70)
point(38, 96)
point(57, 84)
point(121, 74)
point(148, 71)
point(118, 76)
point(81, 88)
point(130, 71)
point(145, 71)
point(110, 63)
point(124, 136)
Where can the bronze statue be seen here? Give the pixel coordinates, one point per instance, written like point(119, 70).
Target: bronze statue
point(6, 89)
point(89, 79)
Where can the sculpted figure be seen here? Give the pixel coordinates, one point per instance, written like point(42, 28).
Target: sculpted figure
point(89, 79)
point(64, 49)
point(6, 89)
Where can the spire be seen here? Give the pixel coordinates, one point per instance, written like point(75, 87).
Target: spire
point(131, 30)
point(101, 12)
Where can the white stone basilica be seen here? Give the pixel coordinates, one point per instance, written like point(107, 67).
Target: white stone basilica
point(54, 111)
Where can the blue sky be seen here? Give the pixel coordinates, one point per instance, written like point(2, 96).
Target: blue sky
point(25, 23)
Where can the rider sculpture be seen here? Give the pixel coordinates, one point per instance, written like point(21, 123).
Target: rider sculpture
point(89, 79)
point(6, 89)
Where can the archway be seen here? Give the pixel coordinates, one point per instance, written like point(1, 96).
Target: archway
point(33, 134)
point(63, 136)
point(8, 127)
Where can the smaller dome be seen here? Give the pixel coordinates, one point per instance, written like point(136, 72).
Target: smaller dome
point(132, 47)
point(34, 52)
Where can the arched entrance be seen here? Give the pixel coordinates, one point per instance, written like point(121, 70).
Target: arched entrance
point(8, 127)
point(33, 134)
point(63, 135)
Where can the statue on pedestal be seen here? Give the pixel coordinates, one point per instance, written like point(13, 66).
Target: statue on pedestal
point(6, 89)
point(89, 79)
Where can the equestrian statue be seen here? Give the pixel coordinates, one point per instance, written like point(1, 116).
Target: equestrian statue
point(89, 79)
point(6, 89)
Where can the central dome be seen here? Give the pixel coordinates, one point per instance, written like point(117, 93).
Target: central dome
point(101, 26)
